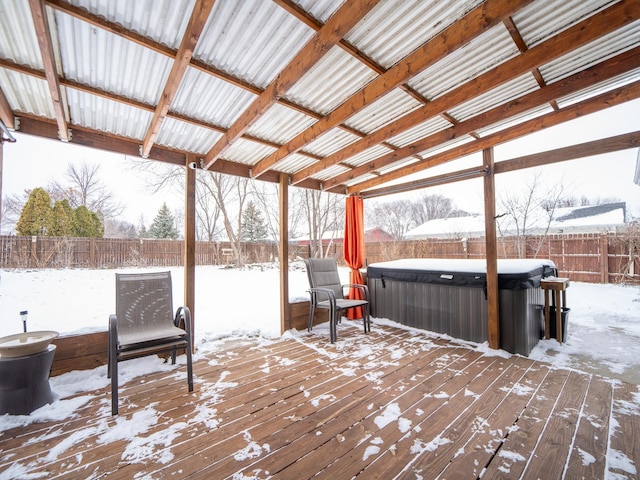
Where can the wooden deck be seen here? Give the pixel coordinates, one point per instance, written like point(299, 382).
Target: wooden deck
point(391, 404)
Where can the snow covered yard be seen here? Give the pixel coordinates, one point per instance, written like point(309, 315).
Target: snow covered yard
point(604, 322)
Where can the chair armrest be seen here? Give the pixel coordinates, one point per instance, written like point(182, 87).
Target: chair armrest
point(183, 312)
point(330, 293)
point(113, 329)
point(363, 288)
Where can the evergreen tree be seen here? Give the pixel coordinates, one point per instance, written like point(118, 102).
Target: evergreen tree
point(163, 225)
point(63, 222)
point(36, 215)
point(253, 226)
point(88, 223)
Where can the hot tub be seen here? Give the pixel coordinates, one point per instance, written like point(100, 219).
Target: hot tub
point(449, 296)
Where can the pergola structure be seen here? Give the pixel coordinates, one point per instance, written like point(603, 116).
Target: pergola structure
point(343, 96)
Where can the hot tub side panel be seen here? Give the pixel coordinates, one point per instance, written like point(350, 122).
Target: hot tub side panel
point(460, 312)
point(456, 311)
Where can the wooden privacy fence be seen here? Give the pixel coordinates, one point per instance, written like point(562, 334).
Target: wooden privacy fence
point(591, 258)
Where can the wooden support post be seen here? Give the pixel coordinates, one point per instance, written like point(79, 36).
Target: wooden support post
point(492, 250)
point(604, 259)
point(190, 242)
point(283, 254)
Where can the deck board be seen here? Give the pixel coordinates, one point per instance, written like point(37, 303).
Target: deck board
point(390, 404)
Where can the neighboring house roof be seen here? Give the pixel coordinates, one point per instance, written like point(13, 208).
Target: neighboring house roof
point(597, 218)
point(376, 234)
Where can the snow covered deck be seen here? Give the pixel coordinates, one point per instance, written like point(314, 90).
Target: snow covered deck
point(391, 404)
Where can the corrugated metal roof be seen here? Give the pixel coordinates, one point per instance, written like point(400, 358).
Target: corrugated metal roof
point(592, 53)
point(18, 41)
point(330, 82)
point(421, 130)
point(252, 39)
point(541, 20)
point(443, 147)
point(330, 142)
point(280, 124)
point(484, 52)
point(96, 57)
point(504, 93)
point(162, 20)
point(366, 155)
point(208, 98)
point(395, 28)
point(386, 109)
point(108, 116)
point(320, 9)
point(606, 86)
point(27, 94)
point(249, 43)
point(186, 136)
point(247, 152)
point(294, 163)
point(514, 120)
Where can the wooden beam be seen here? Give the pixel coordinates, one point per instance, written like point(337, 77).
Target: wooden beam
point(43, 33)
point(575, 83)
point(584, 32)
point(6, 114)
point(476, 22)
point(199, 16)
point(283, 253)
point(493, 313)
point(595, 104)
point(588, 149)
point(332, 32)
point(189, 243)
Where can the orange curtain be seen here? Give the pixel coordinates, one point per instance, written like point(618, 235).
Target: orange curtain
point(354, 248)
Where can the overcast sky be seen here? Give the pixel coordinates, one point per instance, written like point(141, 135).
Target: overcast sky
point(33, 162)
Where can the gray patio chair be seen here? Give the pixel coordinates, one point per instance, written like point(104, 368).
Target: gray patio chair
point(144, 324)
point(327, 292)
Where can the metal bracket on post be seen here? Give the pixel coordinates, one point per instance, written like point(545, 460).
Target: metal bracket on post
point(140, 152)
point(68, 139)
point(16, 123)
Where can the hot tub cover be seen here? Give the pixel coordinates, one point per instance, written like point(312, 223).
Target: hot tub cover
point(513, 274)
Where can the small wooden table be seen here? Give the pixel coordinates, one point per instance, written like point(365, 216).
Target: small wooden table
point(556, 285)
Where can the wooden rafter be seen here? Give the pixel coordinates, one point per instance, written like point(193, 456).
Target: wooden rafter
point(199, 16)
point(575, 83)
point(476, 22)
point(331, 33)
point(43, 34)
point(595, 104)
point(6, 114)
point(580, 34)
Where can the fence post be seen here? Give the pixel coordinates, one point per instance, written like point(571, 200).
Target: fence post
point(604, 258)
point(92, 255)
point(34, 251)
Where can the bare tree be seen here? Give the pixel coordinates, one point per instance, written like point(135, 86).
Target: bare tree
point(534, 206)
point(396, 217)
point(85, 187)
point(324, 213)
point(429, 207)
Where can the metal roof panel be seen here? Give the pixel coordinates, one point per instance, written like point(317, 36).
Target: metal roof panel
point(247, 152)
point(252, 39)
point(26, 94)
point(483, 53)
point(186, 136)
point(418, 132)
point(330, 142)
point(106, 115)
point(330, 82)
point(395, 28)
point(210, 99)
point(390, 107)
point(18, 41)
point(106, 61)
point(280, 124)
point(539, 21)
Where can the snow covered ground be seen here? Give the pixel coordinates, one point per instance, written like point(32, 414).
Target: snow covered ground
point(604, 321)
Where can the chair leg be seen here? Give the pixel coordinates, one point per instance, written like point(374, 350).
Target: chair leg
point(366, 320)
point(113, 371)
point(189, 366)
point(333, 329)
point(312, 309)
